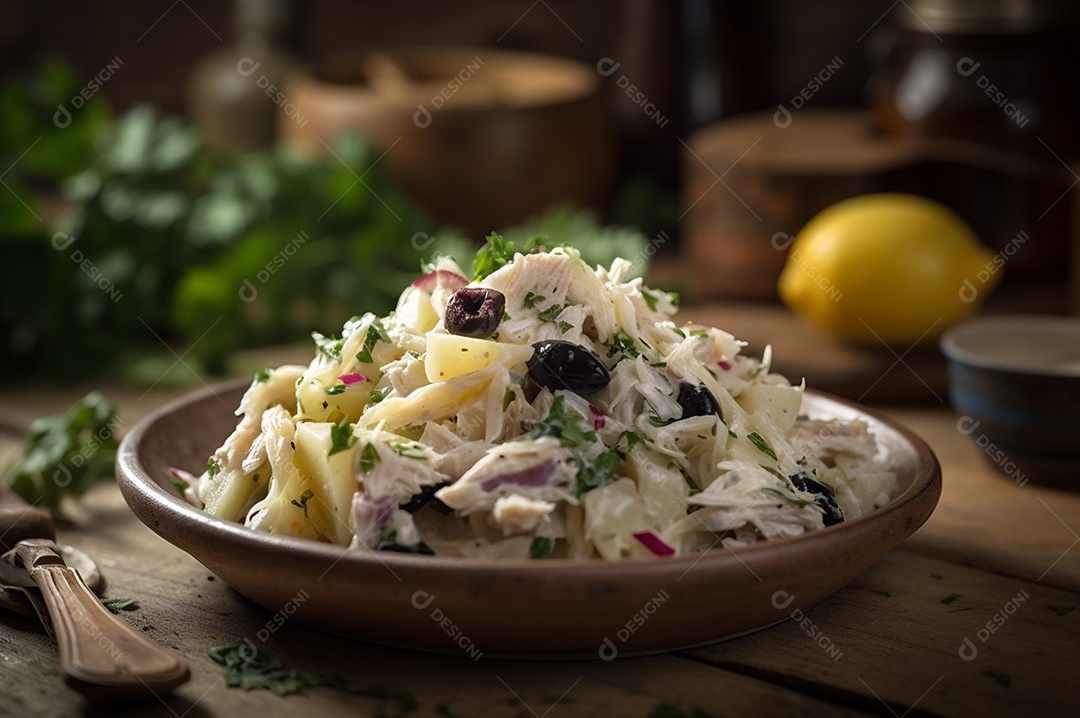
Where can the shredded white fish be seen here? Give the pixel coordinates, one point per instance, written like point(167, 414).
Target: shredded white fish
point(404, 436)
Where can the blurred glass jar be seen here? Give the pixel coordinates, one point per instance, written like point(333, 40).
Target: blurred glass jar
point(235, 93)
point(996, 72)
point(990, 83)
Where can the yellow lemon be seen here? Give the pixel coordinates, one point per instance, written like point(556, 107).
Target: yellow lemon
point(888, 267)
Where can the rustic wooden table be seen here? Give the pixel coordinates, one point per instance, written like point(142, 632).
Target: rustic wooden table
point(971, 616)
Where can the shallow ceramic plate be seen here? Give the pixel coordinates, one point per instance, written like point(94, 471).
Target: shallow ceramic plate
point(550, 608)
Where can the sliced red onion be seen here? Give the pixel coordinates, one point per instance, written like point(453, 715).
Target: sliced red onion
point(440, 278)
point(183, 475)
point(352, 378)
point(532, 476)
point(598, 419)
point(724, 364)
point(652, 542)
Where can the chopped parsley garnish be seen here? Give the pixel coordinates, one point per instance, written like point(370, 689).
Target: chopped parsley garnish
point(180, 484)
point(654, 418)
point(369, 456)
point(676, 466)
point(508, 397)
point(775, 472)
point(564, 327)
point(308, 495)
point(950, 598)
point(408, 449)
point(213, 468)
point(549, 314)
point(563, 424)
point(375, 333)
point(1001, 677)
point(1060, 611)
point(497, 253)
point(757, 370)
point(632, 439)
point(732, 434)
point(624, 345)
point(763, 446)
point(532, 299)
point(801, 461)
point(652, 297)
point(378, 395)
point(785, 495)
point(699, 333)
point(248, 666)
point(336, 389)
point(262, 375)
point(116, 605)
point(341, 438)
point(678, 331)
point(542, 547)
point(600, 472)
point(329, 347)
point(886, 594)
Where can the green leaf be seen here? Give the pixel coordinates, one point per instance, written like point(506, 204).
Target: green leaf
point(599, 472)
point(341, 438)
point(65, 454)
point(495, 254)
point(262, 375)
point(116, 605)
point(532, 299)
point(763, 446)
point(564, 424)
point(369, 456)
point(508, 397)
point(1062, 610)
point(550, 313)
point(950, 598)
point(308, 495)
point(375, 334)
point(336, 389)
point(250, 667)
point(785, 495)
point(542, 547)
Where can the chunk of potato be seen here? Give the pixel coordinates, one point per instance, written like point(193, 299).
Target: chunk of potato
point(450, 356)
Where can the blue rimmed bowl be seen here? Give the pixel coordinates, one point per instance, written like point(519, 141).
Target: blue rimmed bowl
point(1015, 382)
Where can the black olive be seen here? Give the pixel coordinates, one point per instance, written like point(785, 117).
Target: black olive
point(824, 497)
point(420, 548)
point(426, 496)
point(559, 364)
point(696, 400)
point(475, 312)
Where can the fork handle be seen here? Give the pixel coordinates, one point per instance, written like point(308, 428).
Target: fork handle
point(100, 656)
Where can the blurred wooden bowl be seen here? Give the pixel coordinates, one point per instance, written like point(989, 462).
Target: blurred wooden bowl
point(481, 138)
